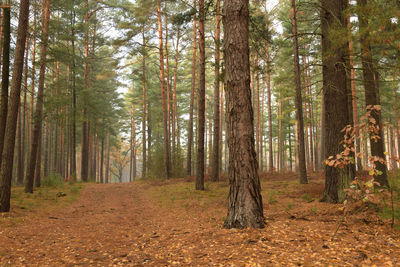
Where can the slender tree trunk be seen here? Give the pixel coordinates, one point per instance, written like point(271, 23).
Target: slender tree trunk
point(245, 202)
point(201, 100)
point(372, 94)
point(21, 118)
point(30, 172)
point(216, 141)
point(5, 78)
point(299, 104)
point(269, 98)
point(73, 143)
point(336, 94)
point(102, 160)
point(174, 104)
point(133, 147)
point(12, 111)
point(163, 100)
point(149, 132)
point(38, 161)
point(85, 123)
point(144, 163)
point(107, 176)
point(191, 110)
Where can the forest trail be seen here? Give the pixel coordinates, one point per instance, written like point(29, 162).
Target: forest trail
point(138, 224)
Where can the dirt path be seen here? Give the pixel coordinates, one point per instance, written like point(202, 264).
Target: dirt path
point(120, 224)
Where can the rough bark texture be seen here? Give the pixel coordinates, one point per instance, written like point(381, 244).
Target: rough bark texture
point(5, 77)
point(12, 111)
point(371, 87)
point(336, 92)
point(30, 172)
point(299, 101)
point(191, 110)
point(201, 100)
point(245, 203)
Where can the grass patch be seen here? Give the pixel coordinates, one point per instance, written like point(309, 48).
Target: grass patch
point(50, 196)
point(178, 193)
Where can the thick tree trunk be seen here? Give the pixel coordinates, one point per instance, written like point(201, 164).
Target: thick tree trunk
point(299, 102)
point(5, 78)
point(191, 109)
point(163, 100)
point(245, 203)
point(372, 93)
point(336, 94)
point(12, 111)
point(30, 172)
point(201, 100)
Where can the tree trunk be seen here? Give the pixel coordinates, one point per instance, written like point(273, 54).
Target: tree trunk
point(336, 93)
point(299, 102)
point(38, 160)
point(5, 78)
point(133, 147)
point(201, 100)
point(107, 178)
point(357, 142)
point(271, 155)
point(30, 172)
point(144, 162)
point(85, 123)
point(163, 100)
point(12, 111)
point(174, 104)
point(73, 143)
point(245, 203)
point(191, 110)
point(102, 161)
point(371, 87)
point(216, 141)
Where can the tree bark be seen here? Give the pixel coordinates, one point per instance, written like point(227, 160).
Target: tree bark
point(371, 87)
point(299, 102)
point(163, 100)
point(191, 109)
point(269, 98)
point(336, 92)
point(174, 104)
point(201, 100)
point(144, 162)
point(216, 141)
point(85, 123)
point(12, 111)
point(245, 203)
point(5, 78)
point(30, 172)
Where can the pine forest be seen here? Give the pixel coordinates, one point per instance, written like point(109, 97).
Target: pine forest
point(200, 133)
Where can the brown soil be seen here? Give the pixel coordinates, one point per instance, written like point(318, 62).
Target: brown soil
point(124, 224)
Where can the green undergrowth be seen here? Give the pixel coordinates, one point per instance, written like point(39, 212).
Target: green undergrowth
point(52, 195)
point(179, 193)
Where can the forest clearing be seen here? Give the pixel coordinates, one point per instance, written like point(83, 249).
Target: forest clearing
point(159, 223)
point(200, 132)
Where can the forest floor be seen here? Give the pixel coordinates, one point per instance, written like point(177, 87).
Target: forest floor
point(164, 223)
